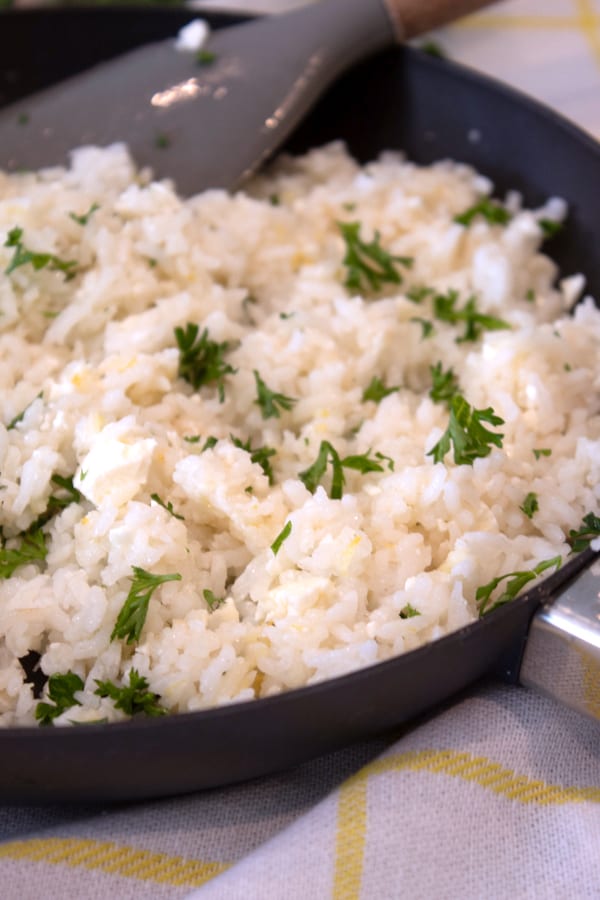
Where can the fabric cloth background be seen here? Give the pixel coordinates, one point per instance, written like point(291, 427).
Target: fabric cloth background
point(496, 796)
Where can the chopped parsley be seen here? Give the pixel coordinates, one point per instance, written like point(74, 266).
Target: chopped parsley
point(581, 538)
point(132, 616)
point(20, 416)
point(210, 442)
point(530, 505)
point(212, 600)
point(542, 451)
point(205, 57)
point(368, 265)
point(31, 547)
point(377, 390)
point(444, 309)
point(201, 360)
point(61, 693)
point(162, 141)
point(550, 227)
point(22, 118)
point(467, 434)
point(22, 256)
point(530, 295)
point(260, 455)
point(271, 402)
point(517, 582)
point(275, 200)
point(418, 294)
point(408, 612)
point(426, 326)
point(168, 506)
point(312, 476)
point(283, 534)
point(445, 384)
point(192, 438)
point(492, 212)
point(432, 48)
point(85, 218)
point(133, 698)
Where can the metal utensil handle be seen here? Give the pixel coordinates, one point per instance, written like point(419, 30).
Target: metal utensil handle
point(562, 654)
point(413, 17)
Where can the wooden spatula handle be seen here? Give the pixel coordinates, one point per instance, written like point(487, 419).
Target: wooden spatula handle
point(413, 17)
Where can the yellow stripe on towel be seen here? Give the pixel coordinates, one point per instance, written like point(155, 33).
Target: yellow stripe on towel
point(352, 807)
point(128, 862)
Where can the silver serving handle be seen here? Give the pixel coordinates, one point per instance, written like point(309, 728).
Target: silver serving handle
point(562, 655)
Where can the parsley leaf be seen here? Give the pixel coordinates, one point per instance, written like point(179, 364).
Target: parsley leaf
point(283, 534)
point(530, 505)
point(132, 616)
point(22, 256)
point(61, 691)
point(377, 390)
point(134, 698)
point(426, 326)
point(550, 227)
point(168, 506)
point(212, 600)
point(581, 538)
point(85, 218)
point(469, 437)
point(205, 57)
point(269, 400)
point(201, 360)
point(408, 612)
point(418, 294)
point(260, 455)
point(444, 308)
point(517, 582)
point(20, 416)
point(32, 548)
point(494, 213)
point(363, 463)
point(445, 384)
point(368, 265)
point(542, 451)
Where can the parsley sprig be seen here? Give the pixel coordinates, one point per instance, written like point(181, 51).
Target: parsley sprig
point(515, 584)
point(530, 505)
point(85, 218)
point(132, 616)
point(168, 506)
point(271, 402)
point(259, 455)
point(61, 693)
point(368, 265)
point(327, 454)
point(133, 698)
point(31, 547)
point(377, 390)
point(22, 256)
point(492, 212)
point(444, 309)
point(281, 537)
point(445, 384)
point(581, 538)
point(201, 360)
point(467, 434)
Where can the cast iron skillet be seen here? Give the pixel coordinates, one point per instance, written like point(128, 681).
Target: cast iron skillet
point(401, 99)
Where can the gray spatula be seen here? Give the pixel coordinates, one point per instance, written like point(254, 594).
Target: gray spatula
point(213, 125)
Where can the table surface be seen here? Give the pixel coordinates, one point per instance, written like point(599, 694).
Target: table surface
point(509, 782)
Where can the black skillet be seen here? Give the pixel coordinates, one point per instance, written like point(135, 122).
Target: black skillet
point(400, 99)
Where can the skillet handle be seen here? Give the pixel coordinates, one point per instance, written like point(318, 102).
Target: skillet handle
point(562, 654)
point(414, 17)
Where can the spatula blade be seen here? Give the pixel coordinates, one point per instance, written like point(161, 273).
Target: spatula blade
point(201, 125)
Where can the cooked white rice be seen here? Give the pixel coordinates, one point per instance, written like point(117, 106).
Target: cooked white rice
point(93, 362)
